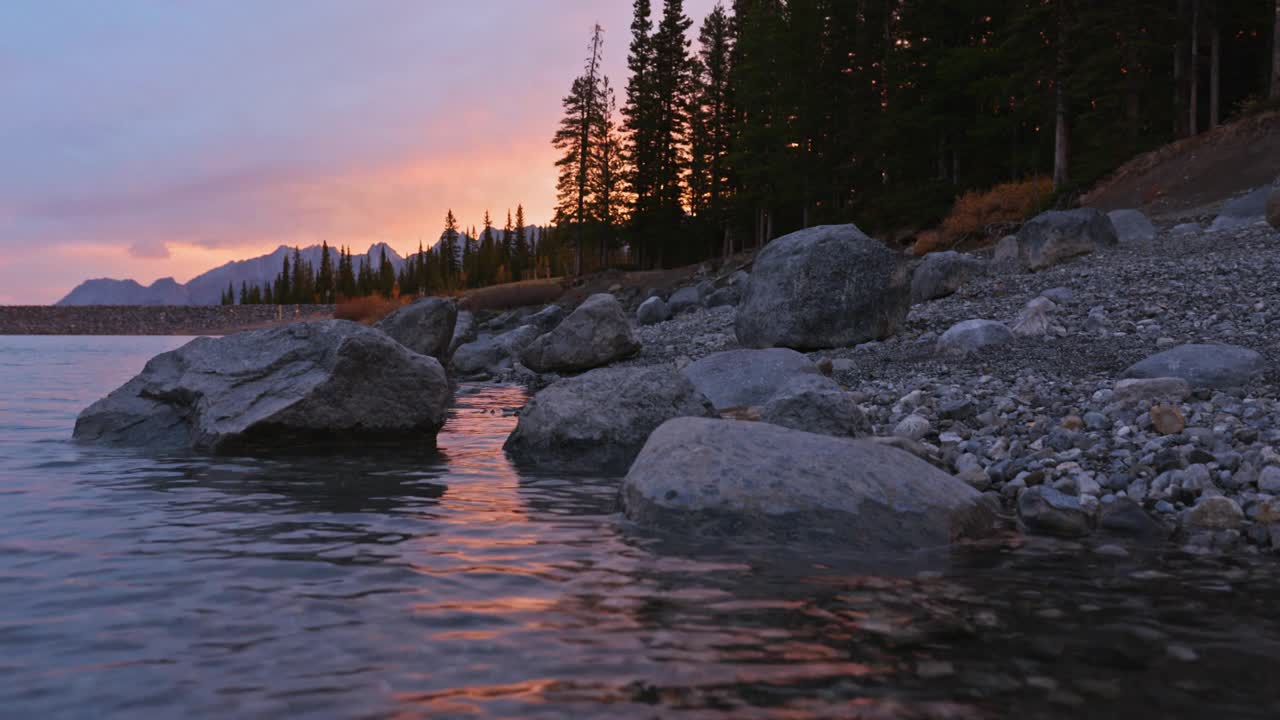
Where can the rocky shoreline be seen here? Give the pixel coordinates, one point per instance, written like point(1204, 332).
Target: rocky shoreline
point(151, 319)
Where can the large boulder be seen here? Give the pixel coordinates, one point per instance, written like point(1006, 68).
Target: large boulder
point(971, 336)
point(425, 327)
point(598, 421)
point(1273, 208)
point(310, 383)
point(1051, 237)
point(547, 319)
point(942, 273)
point(1212, 366)
point(816, 404)
point(1132, 227)
point(824, 287)
point(684, 300)
point(653, 311)
point(493, 354)
point(743, 478)
point(728, 295)
point(464, 331)
point(1249, 209)
point(595, 334)
point(746, 378)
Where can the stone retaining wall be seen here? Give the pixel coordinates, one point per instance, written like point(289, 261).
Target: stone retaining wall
point(151, 320)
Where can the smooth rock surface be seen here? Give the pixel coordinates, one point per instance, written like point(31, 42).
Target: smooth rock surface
point(747, 378)
point(746, 478)
point(653, 311)
point(1248, 209)
point(815, 404)
point(824, 287)
point(1208, 365)
point(598, 421)
point(595, 334)
point(1148, 390)
point(1055, 236)
point(941, 274)
point(312, 383)
point(1132, 226)
point(426, 326)
point(973, 335)
point(491, 355)
point(684, 300)
point(1046, 511)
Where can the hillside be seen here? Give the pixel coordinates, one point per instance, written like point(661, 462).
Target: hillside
point(1193, 175)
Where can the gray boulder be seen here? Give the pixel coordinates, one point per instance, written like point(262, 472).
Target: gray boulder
point(1249, 209)
point(746, 378)
point(598, 421)
point(310, 383)
point(1045, 511)
point(1132, 227)
point(724, 296)
point(1213, 366)
point(1055, 236)
point(816, 404)
point(942, 273)
point(464, 331)
point(1034, 319)
point(1006, 252)
point(491, 355)
point(548, 318)
point(596, 333)
point(824, 287)
point(425, 326)
point(653, 311)
point(744, 478)
point(684, 300)
point(971, 336)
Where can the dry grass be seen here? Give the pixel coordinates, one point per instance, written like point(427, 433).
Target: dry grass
point(976, 211)
point(513, 295)
point(368, 309)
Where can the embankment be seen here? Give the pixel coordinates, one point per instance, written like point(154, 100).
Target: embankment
point(151, 319)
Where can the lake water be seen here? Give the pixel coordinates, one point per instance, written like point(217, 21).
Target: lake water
point(164, 587)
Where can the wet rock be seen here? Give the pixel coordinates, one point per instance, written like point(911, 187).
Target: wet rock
point(941, 274)
point(973, 335)
point(1055, 236)
point(653, 311)
point(311, 383)
point(595, 334)
point(1045, 511)
point(1126, 517)
point(1132, 227)
point(1207, 365)
point(491, 355)
point(425, 326)
point(824, 287)
point(753, 478)
point(598, 421)
point(747, 378)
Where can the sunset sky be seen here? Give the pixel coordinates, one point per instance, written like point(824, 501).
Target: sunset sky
point(146, 138)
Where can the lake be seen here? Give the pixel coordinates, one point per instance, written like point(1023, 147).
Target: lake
point(143, 586)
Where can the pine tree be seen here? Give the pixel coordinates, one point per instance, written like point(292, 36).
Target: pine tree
point(507, 256)
point(640, 122)
point(324, 281)
point(522, 250)
point(449, 248)
point(711, 118)
point(582, 110)
point(607, 173)
point(284, 289)
point(386, 279)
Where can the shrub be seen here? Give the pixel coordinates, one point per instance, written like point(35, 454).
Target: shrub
point(976, 211)
point(368, 309)
point(513, 295)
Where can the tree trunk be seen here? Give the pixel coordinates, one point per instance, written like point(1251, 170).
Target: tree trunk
point(1133, 94)
point(1275, 56)
point(1179, 83)
point(1215, 71)
point(1193, 70)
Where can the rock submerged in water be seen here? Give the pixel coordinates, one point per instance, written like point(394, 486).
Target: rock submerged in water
point(425, 326)
point(598, 421)
point(730, 477)
point(1206, 365)
point(1055, 236)
point(824, 287)
point(595, 334)
point(327, 382)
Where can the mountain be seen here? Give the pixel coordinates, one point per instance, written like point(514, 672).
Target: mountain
point(207, 288)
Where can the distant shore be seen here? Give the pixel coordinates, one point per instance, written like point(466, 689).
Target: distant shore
point(151, 319)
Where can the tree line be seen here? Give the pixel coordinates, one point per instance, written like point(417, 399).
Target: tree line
point(791, 113)
point(460, 260)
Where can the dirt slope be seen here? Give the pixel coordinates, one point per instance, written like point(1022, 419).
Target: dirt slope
point(1189, 176)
